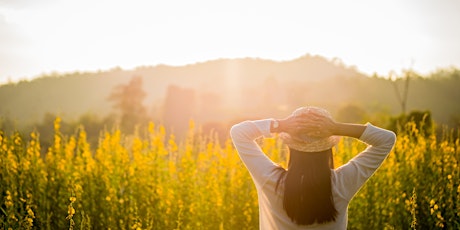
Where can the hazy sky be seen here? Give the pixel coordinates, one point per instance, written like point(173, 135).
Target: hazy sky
point(41, 36)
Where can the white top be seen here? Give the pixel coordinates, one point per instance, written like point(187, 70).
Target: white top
point(346, 180)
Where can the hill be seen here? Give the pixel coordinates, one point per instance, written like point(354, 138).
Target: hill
point(227, 89)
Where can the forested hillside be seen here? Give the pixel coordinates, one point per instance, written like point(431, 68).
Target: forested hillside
point(230, 89)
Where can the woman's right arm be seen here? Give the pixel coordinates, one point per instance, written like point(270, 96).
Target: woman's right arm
point(352, 175)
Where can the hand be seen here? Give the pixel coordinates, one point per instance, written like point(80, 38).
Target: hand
point(311, 124)
point(320, 126)
point(295, 125)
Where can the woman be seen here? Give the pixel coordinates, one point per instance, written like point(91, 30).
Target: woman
point(310, 194)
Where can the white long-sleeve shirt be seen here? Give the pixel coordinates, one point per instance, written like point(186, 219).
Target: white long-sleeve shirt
point(346, 180)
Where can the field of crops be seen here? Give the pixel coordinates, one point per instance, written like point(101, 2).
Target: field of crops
point(154, 181)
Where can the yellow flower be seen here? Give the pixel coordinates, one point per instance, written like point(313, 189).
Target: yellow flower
point(30, 213)
point(8, 199)
point(71, 211)
point(30, 221)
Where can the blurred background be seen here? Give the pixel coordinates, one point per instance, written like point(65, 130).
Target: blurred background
point(126, 63)
point(115, 114)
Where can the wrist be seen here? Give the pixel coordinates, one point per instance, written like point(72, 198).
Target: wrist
point(337, 128)
point(349, 129)
point(274, 126)
point(277, 125)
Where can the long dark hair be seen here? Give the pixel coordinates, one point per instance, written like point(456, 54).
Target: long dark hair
point(307, 197)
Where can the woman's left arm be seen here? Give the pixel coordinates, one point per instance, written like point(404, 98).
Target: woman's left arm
point(244, 135)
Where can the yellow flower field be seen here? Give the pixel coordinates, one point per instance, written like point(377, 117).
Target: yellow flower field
point(154, 181)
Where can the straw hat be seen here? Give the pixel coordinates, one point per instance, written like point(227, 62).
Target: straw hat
point(305, 143)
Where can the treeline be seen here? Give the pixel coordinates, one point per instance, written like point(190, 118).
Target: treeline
point(215, 102)
point(129, 115)
point(223, 90)
point(226, 81)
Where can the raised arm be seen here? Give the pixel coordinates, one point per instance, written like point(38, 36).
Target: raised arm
point(244, 135)
point(316, 126)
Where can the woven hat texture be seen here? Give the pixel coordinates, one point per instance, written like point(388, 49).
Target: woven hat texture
point(306, 143)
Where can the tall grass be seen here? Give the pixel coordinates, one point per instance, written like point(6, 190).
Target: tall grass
point(154, 181)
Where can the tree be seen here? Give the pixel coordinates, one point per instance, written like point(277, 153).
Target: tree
point(128, 100)
point(402, 96)
point(179, 109)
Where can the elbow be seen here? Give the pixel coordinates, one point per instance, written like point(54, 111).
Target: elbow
point(391, 140)
point(391, 137)
point(236, 131)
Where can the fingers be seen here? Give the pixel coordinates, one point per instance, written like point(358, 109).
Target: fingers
point(314, 127)
point(311, 124)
